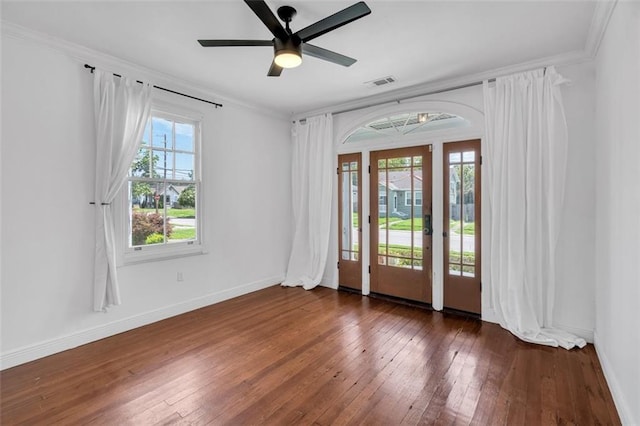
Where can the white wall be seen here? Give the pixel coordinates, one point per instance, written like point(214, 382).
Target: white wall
point(617, 227)
point(47, 235)
point(574, 309)
point(575, 270)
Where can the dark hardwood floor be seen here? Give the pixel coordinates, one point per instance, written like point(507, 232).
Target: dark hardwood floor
point(289, 356)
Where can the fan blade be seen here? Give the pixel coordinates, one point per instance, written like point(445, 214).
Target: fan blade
point(222, 43)
point(275, 70)
point(267, 17)
point(327, 55)
point(334, 21)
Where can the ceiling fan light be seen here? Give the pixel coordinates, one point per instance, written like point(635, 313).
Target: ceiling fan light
point(288, 53)
point(288, 59)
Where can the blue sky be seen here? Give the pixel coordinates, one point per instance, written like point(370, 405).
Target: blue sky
point(183, 142)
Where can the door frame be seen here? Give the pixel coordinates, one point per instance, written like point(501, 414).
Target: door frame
point(350, 271)
point(454, 301)
point(418, 293)
point(462, 104)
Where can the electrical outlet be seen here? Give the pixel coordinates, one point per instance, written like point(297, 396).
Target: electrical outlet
point(180, 277)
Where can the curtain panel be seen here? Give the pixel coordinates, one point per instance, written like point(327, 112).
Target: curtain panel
point(527, 141)
point(121, 110)
point(312, 181)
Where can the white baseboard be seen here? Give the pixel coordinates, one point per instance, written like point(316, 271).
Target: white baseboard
point(49, 347)
point(622, 405)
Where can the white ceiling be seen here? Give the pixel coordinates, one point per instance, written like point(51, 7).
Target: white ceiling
point(415, 41)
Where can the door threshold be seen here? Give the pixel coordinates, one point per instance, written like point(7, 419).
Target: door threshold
point(459, 313)
point(401, 301)
point(350, 290)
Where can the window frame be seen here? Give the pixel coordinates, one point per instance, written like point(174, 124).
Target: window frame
point(155, 252)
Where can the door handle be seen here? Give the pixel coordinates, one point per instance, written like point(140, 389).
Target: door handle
point(428, 230)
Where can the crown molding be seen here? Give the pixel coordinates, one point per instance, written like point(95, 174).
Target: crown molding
point(425, 89)
point(599, 23)
point(602, 13)
point(83, 54)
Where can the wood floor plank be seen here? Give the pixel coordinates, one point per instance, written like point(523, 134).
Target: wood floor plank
point(289, 356)
point(335, 386)
point(367, 380)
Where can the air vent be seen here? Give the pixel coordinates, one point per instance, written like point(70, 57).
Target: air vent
point(381, 81)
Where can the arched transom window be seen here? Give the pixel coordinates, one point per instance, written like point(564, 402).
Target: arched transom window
point(409, 123)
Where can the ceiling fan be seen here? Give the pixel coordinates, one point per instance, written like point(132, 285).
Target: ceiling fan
point(288, 46)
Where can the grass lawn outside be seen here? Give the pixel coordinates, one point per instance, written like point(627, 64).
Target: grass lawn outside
point(469, 227)
point(177, 213)
point(405, 225)
point(390, 221)
point(183, 234)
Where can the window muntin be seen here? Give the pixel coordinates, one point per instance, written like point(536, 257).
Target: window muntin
point(163, 187)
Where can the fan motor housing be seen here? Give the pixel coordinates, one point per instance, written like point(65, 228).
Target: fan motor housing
point(288, 45)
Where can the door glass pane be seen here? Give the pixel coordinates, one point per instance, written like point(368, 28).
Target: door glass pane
point(347, 216)
point(350, 232)
point(400, 218)
point(398, 162)
point(455, 199)
point(462, 213)
point(355, 226)
point(467, 220)
point(382, 211)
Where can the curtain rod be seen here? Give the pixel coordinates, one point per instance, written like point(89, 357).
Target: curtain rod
point(434, 92)
point(165, 89)
point(448, 89)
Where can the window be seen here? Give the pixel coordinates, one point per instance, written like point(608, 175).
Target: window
point(417, 198)
point(398, 126)
point(163, 208)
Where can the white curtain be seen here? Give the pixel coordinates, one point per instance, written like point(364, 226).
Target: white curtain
point(122, 108)
point(312, 185)
point(527, 144)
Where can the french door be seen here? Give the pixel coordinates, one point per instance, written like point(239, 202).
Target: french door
point(349, 221)
point(401, 223)
point(462, 287)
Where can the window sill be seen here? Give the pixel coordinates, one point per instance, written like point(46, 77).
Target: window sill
point(154, 254)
